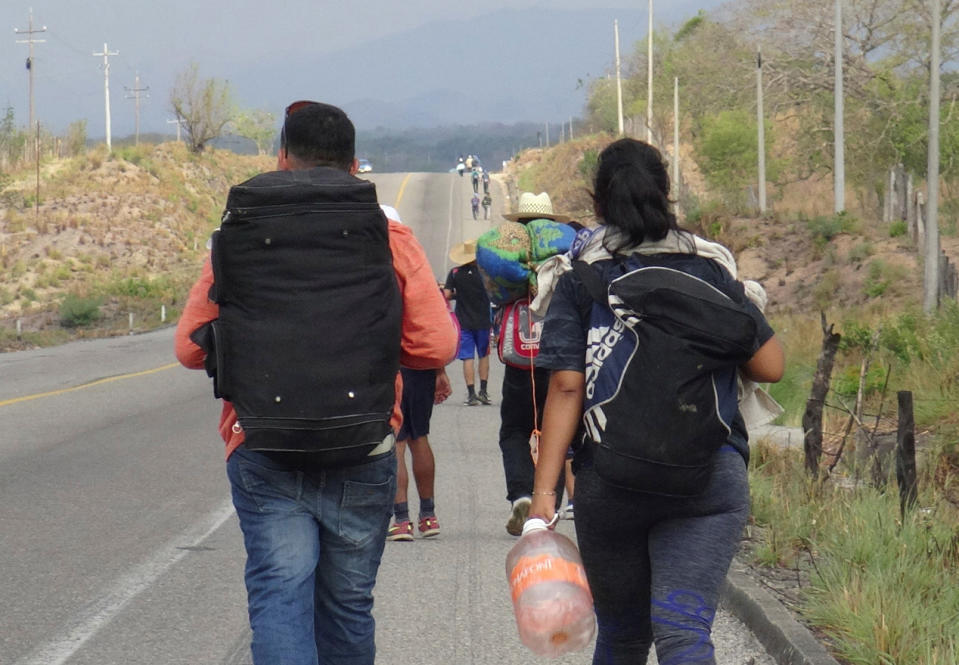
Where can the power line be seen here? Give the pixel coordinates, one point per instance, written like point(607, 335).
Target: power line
point(30, 41)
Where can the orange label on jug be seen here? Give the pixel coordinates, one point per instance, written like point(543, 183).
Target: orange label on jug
point(530, 570)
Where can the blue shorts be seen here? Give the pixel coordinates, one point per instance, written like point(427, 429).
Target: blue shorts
point(419, 389)
point(473, 343)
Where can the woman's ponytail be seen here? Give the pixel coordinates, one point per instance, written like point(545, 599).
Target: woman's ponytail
point(631, 192)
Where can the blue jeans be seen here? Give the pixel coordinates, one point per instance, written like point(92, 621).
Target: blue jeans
point(314, 540)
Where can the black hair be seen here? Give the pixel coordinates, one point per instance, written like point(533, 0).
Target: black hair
point(631, 193)
point(320, 135)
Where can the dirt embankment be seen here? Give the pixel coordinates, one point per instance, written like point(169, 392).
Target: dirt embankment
point(116, 228)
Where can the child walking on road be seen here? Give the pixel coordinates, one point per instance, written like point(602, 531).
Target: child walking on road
point(465, 285)
point(421, 390)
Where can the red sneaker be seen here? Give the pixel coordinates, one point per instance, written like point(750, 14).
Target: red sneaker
point(429, 526)
point(402, 531)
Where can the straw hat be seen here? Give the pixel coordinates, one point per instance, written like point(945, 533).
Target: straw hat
point(465, 252)
point(535, 206)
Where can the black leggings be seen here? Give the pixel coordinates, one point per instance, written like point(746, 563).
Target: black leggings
point(656, 564)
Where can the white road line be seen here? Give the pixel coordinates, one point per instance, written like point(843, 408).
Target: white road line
point(60, 648)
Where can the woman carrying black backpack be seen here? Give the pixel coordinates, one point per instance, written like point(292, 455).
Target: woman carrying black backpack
point(655, 563)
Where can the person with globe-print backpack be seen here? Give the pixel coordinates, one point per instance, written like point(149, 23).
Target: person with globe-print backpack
point(524, 388)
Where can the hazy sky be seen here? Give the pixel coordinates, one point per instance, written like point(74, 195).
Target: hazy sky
point(158, 38)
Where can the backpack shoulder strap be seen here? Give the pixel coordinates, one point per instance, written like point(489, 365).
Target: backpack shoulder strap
point(592, 281)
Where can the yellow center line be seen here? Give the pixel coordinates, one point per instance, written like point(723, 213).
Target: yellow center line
point(399, 196)
point(109, 379)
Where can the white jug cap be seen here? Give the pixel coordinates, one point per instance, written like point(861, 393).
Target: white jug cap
point(534, 524)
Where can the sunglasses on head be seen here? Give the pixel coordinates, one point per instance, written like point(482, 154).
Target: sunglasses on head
point(290, 110)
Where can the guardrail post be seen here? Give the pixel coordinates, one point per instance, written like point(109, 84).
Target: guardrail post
point(906, 453)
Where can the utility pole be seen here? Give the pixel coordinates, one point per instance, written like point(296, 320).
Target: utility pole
point(30, 41)
point(136, 90)
point(839, 149)
point(570, 128)
point(619, 80)
point(106, 87)
point(930, 300)
point(649, 80)
point(761, 129)
point(175, 121)
point(547, 134)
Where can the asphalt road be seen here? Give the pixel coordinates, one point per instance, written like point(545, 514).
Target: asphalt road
point(118, 543)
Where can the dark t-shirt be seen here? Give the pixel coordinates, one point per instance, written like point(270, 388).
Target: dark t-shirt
point(472, 304)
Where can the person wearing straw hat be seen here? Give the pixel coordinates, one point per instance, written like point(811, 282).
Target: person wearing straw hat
point(521, 387)
point(535, 206)
point(465, 285)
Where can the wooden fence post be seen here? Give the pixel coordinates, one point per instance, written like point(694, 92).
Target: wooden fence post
point(906, 453)
point(920, 221)
point(900, 202)
point(812, 417)
point(910, 203)
point(887, 199)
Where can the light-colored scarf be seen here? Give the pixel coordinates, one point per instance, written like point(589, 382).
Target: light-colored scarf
point(755, 404)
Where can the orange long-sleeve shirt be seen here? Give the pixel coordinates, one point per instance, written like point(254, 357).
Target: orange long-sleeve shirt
point(428, 334)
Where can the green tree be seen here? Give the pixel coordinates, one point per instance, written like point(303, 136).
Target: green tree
point(886, 71)
point(202, 106)
point(258, 126)
point(12, 139)
point(728, 147)
point(601, 106)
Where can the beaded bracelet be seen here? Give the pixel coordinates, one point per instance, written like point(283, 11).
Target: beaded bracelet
point(547, 493)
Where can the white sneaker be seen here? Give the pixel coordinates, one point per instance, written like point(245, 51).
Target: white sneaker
point(518, 517)
point(568, 513)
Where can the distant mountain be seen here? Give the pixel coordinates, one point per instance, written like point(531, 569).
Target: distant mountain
point(508, 66)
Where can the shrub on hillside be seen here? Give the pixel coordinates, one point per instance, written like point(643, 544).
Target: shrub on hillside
point(77, 311)
point(897, 229)
point(825, 228)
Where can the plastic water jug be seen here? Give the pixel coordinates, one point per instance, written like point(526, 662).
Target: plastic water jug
point(551, 598)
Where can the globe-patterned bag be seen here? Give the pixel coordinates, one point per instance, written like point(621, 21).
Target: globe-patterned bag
point(509, 254)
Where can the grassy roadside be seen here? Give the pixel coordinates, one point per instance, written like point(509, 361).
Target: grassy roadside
point(882, 586)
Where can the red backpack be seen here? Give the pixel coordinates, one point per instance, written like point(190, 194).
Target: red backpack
point(519, 335)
